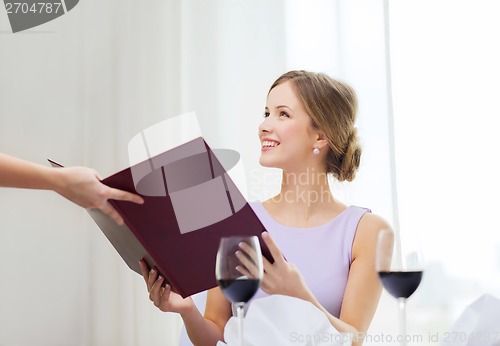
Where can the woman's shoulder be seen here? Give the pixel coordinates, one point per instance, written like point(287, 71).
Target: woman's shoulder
point(371, 221)
point(369, 227)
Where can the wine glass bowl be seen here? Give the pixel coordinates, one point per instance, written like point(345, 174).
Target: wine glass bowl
point(401, 284)
point(399, 264)
point(239, 271)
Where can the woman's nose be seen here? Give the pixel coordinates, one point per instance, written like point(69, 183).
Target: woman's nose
point(265, 126)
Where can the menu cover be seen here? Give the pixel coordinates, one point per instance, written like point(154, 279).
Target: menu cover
point(190, 202)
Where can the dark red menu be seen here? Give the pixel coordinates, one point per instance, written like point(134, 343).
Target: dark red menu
point(190, 203)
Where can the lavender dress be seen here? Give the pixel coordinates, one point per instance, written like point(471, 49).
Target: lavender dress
point(323, 254)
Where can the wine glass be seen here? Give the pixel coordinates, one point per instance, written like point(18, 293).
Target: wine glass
point(239, 270)
point(400, 268)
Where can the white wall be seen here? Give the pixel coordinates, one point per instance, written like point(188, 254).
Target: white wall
point(446, 72)
point(76, 90)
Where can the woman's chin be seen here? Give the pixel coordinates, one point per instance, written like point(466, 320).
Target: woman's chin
point(266, 162)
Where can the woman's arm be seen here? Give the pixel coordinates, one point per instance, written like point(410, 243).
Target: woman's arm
point(363, 288)
point(80, 185)
point(217, 313)
point(15, 172)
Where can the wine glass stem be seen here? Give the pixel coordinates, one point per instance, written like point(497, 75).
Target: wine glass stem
point(402, 320)
point(239, 316)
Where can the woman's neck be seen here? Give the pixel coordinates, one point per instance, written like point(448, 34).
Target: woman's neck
point(304, 194)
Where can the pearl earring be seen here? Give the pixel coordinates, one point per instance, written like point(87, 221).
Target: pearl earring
point(316, 151)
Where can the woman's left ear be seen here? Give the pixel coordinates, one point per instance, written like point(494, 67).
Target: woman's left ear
point(321, 141)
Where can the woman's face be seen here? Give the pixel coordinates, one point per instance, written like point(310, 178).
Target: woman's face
point(287, 136)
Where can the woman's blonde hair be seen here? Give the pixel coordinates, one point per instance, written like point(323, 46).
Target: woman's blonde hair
point(332, 106)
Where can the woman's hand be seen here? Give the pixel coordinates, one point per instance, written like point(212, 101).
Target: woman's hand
point(82, 186)
point(281, 277)
point(163, 297)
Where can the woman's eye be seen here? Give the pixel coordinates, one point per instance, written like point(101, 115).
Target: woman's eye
point(266, 114)
point(284, 114)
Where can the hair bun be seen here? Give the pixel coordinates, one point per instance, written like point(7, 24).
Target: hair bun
point(348, 164)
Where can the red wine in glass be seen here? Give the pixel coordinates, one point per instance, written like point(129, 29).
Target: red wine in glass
point(400, 269)
point(401, 284)
point(239, 290)
point(239, 271)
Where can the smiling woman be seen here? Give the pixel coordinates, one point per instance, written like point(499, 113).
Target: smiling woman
point(308, 129)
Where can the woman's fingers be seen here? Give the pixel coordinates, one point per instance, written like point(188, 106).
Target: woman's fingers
point(245, 272)
point(107, 209)
point(248, 258)
point(247, 267)
point(250, 251)
point(267, 265)
point(154, 293)
point(152, 276)
point(144, 270)
point(124, 196)
point(273, 248)
point(158, 294)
